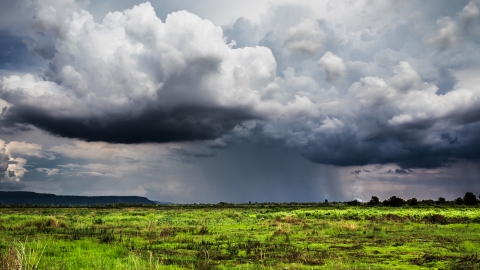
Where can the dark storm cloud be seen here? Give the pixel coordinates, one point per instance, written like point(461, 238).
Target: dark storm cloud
point(178, 87)
point(407, 148)
point(402, 171)
point(9, 128)
point(153, 125)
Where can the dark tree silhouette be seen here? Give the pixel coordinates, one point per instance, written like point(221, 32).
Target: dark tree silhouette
point(394, 201)
point(470, 199)
point(441, 200)
point(374, 201)
point(412, 201)
point(459, 201)
point(354, 202)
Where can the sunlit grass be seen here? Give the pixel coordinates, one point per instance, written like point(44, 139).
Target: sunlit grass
point(336, 237)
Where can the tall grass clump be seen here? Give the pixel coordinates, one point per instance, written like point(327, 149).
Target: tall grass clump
point(20, 256)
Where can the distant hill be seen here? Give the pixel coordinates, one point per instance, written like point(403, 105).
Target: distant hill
point(27, 197)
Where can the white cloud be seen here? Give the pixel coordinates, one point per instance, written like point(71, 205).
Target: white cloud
point(406, 78)
point(331, 125)
point(372, 91)
point(23, 148)
point(13, 169)
point(307, 36)
point(333, 65)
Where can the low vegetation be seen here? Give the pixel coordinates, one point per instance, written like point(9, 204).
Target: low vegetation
point(243, 236)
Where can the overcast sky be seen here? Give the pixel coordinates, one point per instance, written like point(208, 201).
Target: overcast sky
point(237, 101)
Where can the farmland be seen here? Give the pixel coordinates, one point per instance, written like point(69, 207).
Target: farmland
point(247, 236)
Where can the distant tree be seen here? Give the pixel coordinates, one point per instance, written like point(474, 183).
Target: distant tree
point(459, 200)
point(354, 202)
point(374, 201)
point(470, 199)
point(441, 200)
point(396, 201)
point(428, 202)
point(412, 201)
point(326, 201)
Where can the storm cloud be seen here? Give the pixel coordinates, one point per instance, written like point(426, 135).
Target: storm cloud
point(334, 92)
point(135, 79)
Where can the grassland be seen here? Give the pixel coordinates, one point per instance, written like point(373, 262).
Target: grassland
point(267, 236)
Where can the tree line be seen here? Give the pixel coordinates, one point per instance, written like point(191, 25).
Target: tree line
point(394, 201)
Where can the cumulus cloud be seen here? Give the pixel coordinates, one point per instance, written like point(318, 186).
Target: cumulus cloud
point(307, 36)
point(13, 169)
point(406, 78)
point(24, 148)
point(133, 78)
point(333, 65)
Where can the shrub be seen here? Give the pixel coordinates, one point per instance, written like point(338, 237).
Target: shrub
point(348, 226)
point(282, 231)
point(52, 222)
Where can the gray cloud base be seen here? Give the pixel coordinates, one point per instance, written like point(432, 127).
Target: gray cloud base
point(180, 124)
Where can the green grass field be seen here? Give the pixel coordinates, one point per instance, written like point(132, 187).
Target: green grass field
point(241, 237)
